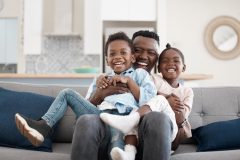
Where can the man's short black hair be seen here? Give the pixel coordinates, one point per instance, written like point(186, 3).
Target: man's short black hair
point(118, 36)
point(148, 34)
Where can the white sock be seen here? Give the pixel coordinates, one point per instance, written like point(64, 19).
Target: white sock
point(122, 123)
point(128, 153)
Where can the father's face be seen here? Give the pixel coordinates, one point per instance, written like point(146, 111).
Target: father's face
point(146, 52)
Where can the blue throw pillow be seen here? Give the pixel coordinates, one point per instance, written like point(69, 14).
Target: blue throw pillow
point(223, 135)
point(29, 104)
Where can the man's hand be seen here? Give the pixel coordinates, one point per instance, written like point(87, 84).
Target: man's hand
point(99, 95)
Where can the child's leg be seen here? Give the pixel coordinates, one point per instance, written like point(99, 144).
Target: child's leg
point(73, 99)
point(117, 141)
point(159, 104)
point(131, 140)
point(128, 122)
point(35, 131)
point(129, 151)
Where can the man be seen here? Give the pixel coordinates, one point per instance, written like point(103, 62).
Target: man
point(92, 136)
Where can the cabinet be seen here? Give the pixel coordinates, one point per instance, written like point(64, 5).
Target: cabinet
point(33, 27)
point(8, 41)
point(129, 10)
point(92, 27)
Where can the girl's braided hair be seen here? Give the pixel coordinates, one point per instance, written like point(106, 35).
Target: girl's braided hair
point(168, 47)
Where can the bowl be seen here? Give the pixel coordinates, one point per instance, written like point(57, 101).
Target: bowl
point(86, 70)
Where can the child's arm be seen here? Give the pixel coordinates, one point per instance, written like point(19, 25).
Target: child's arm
point(181, 108)
point(163, 94)
point(102, 81)
point(131, 84)
point(177, 107)
point(175, 103)
point(97, 94)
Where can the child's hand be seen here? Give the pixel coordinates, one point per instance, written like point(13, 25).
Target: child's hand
point(176, 104)
point(102, 81)
point(118, 79)
point(177, 107)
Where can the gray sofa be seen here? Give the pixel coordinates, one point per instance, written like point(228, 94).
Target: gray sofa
point(210, 105)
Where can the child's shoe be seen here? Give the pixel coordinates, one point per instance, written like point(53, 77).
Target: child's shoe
point(34, 131)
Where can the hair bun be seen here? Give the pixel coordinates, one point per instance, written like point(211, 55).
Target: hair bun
point(168, 46)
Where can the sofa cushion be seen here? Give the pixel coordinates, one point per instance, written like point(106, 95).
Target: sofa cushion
point(29, 104)
point(220, 135)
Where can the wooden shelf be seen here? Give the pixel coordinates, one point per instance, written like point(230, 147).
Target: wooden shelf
point(193, 76)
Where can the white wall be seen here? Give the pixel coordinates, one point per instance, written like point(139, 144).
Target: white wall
point(186, 21)
point(11, 9)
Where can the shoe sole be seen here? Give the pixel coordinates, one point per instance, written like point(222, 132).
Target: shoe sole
point(31, 134)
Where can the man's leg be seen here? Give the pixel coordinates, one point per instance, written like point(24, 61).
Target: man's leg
point(90, 139)
point(155, 131)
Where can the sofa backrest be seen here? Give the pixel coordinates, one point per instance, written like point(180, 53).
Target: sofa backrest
point(214, 104)
point(209, 105)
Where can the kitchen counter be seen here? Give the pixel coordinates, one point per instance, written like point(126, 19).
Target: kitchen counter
point(61, 79)
point(74, 75)
point(74, 79)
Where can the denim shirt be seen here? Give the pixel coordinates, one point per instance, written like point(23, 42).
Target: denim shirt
point(125, 102)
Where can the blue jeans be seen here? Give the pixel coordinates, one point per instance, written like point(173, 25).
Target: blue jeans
point(65, 98)
point(80, 106)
